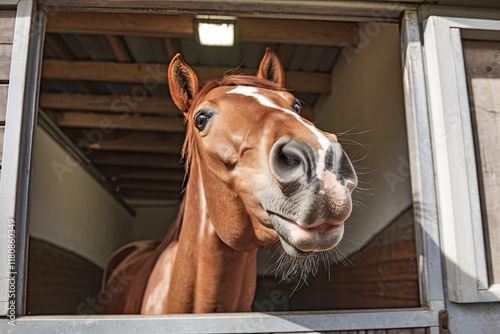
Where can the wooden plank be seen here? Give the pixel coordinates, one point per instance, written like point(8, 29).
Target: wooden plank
point(147, 194)
point(60, 281)
point(110, 122)
point(136, 159)
point(59, 47)
point(323, 33)
point(107, 103)
point(152, 25)
point(380, 272)
point(104, 71)
point(306, 82)
point(4, 90)
point(141, 173)
point(5, 58)
point(482, 63)
point(138, 146)
point(7, 23)
point(174, 187)
point(295, 31)
point(96, 136)
point(118, 48)
point(170, 48)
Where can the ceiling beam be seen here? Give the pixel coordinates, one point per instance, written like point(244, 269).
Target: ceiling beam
point(152, 202)
point(170, 48)
point(118, 48)
point(153, 74)
point(107, 123)
point(136, 159)
point(129, 194)
point(77, 135)
point(56, 44)
point(326, 33)
point(167, 186)
point(141, 173)
point(107, 103)
point(137, 146)
point(151, 25)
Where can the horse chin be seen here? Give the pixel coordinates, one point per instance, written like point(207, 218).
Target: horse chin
point(302, 242)
point(297, 265)
point(294, 251)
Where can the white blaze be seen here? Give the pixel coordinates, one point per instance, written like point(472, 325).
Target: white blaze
point(254, 92)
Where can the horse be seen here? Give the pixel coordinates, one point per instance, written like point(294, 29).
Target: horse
point(259, 175)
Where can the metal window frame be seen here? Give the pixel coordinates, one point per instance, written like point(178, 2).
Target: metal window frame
point(426, 233)
point(18, 141)
point(462, 239)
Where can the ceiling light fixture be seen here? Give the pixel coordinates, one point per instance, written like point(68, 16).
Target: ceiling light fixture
point(215, 30)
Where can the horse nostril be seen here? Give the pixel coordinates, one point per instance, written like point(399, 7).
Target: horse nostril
point(348, 174)
point(337, 162)
point(288, 161)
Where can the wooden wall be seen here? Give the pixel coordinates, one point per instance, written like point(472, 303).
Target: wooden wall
point(7, 22)
point(382, 275)
point(482, 64)
point(60, 282)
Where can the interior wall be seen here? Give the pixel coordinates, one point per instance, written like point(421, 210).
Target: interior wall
point(367, 102)
point(70, 209)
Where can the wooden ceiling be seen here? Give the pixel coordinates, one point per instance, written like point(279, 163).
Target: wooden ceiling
point(104, 83)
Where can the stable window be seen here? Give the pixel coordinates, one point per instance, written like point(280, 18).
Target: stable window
point(463, 93)
point(83, 78)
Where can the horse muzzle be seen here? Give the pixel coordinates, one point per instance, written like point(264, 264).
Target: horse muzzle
point(300, 241)
point(315, 195)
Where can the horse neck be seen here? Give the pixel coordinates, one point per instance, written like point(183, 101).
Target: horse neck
point(208, 275)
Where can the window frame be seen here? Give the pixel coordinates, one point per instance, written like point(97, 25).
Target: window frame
point(432, 295)
point(461, 226)
point(18, 142)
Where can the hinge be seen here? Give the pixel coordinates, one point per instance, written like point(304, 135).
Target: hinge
point(444, 327)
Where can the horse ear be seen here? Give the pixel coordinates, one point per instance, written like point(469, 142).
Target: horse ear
point(182, 82)
point(271, 68)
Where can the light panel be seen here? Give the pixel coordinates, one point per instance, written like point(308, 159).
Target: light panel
point(215, 31)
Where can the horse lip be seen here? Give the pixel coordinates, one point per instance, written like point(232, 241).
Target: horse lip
point(323, 227)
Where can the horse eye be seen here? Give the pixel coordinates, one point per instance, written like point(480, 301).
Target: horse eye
point(201, 120)
point(296, 106)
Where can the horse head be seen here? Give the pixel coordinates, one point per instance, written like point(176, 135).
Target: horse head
point(268, 174)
